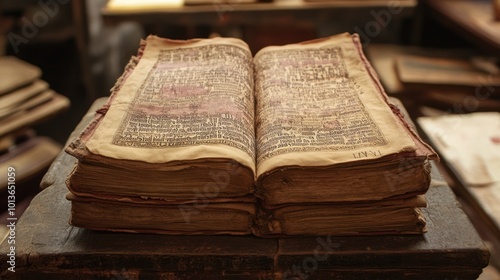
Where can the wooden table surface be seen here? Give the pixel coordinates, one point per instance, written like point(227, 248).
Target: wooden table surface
point(47, 246)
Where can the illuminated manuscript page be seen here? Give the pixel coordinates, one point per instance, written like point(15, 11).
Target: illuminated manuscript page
point(317, 105)
point(185, 100)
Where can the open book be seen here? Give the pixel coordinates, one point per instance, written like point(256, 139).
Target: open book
point(201, 120)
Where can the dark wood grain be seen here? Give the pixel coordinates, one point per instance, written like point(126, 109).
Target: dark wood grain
point(47, 247)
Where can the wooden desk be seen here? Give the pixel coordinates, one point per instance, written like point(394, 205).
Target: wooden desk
point(472, 19)
point(48, 247)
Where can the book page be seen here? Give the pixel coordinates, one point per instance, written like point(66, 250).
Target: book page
point(184, 100)
point(319, 104)
point(470, 143)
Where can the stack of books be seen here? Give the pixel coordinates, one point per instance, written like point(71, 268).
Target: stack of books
point(199, 137)
point(25, 100)
point(456, 81)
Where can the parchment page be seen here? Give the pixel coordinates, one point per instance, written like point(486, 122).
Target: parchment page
point(469, 142)
point(318, 105)
point(184, 100)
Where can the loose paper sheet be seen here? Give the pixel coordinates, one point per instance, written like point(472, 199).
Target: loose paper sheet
point(469, 142)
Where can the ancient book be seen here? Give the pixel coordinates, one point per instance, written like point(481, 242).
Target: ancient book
point(10, 67)
point(24, 99)
point(17, 98)
point(155, 216)
point(325, 130)
point(444, 100)
point(30, 156)
point(394, 216)
point(30, 111)
point(403, 217)
point(183, 115)
point(201, 120)
point(421, 72)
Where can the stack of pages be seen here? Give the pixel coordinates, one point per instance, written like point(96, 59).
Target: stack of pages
point(25, 99)
point(198, 137)
point(457, 80)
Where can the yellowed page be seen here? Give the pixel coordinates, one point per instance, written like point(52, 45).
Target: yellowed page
point(468, 142)
point(184, 100)
point(318, 105)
